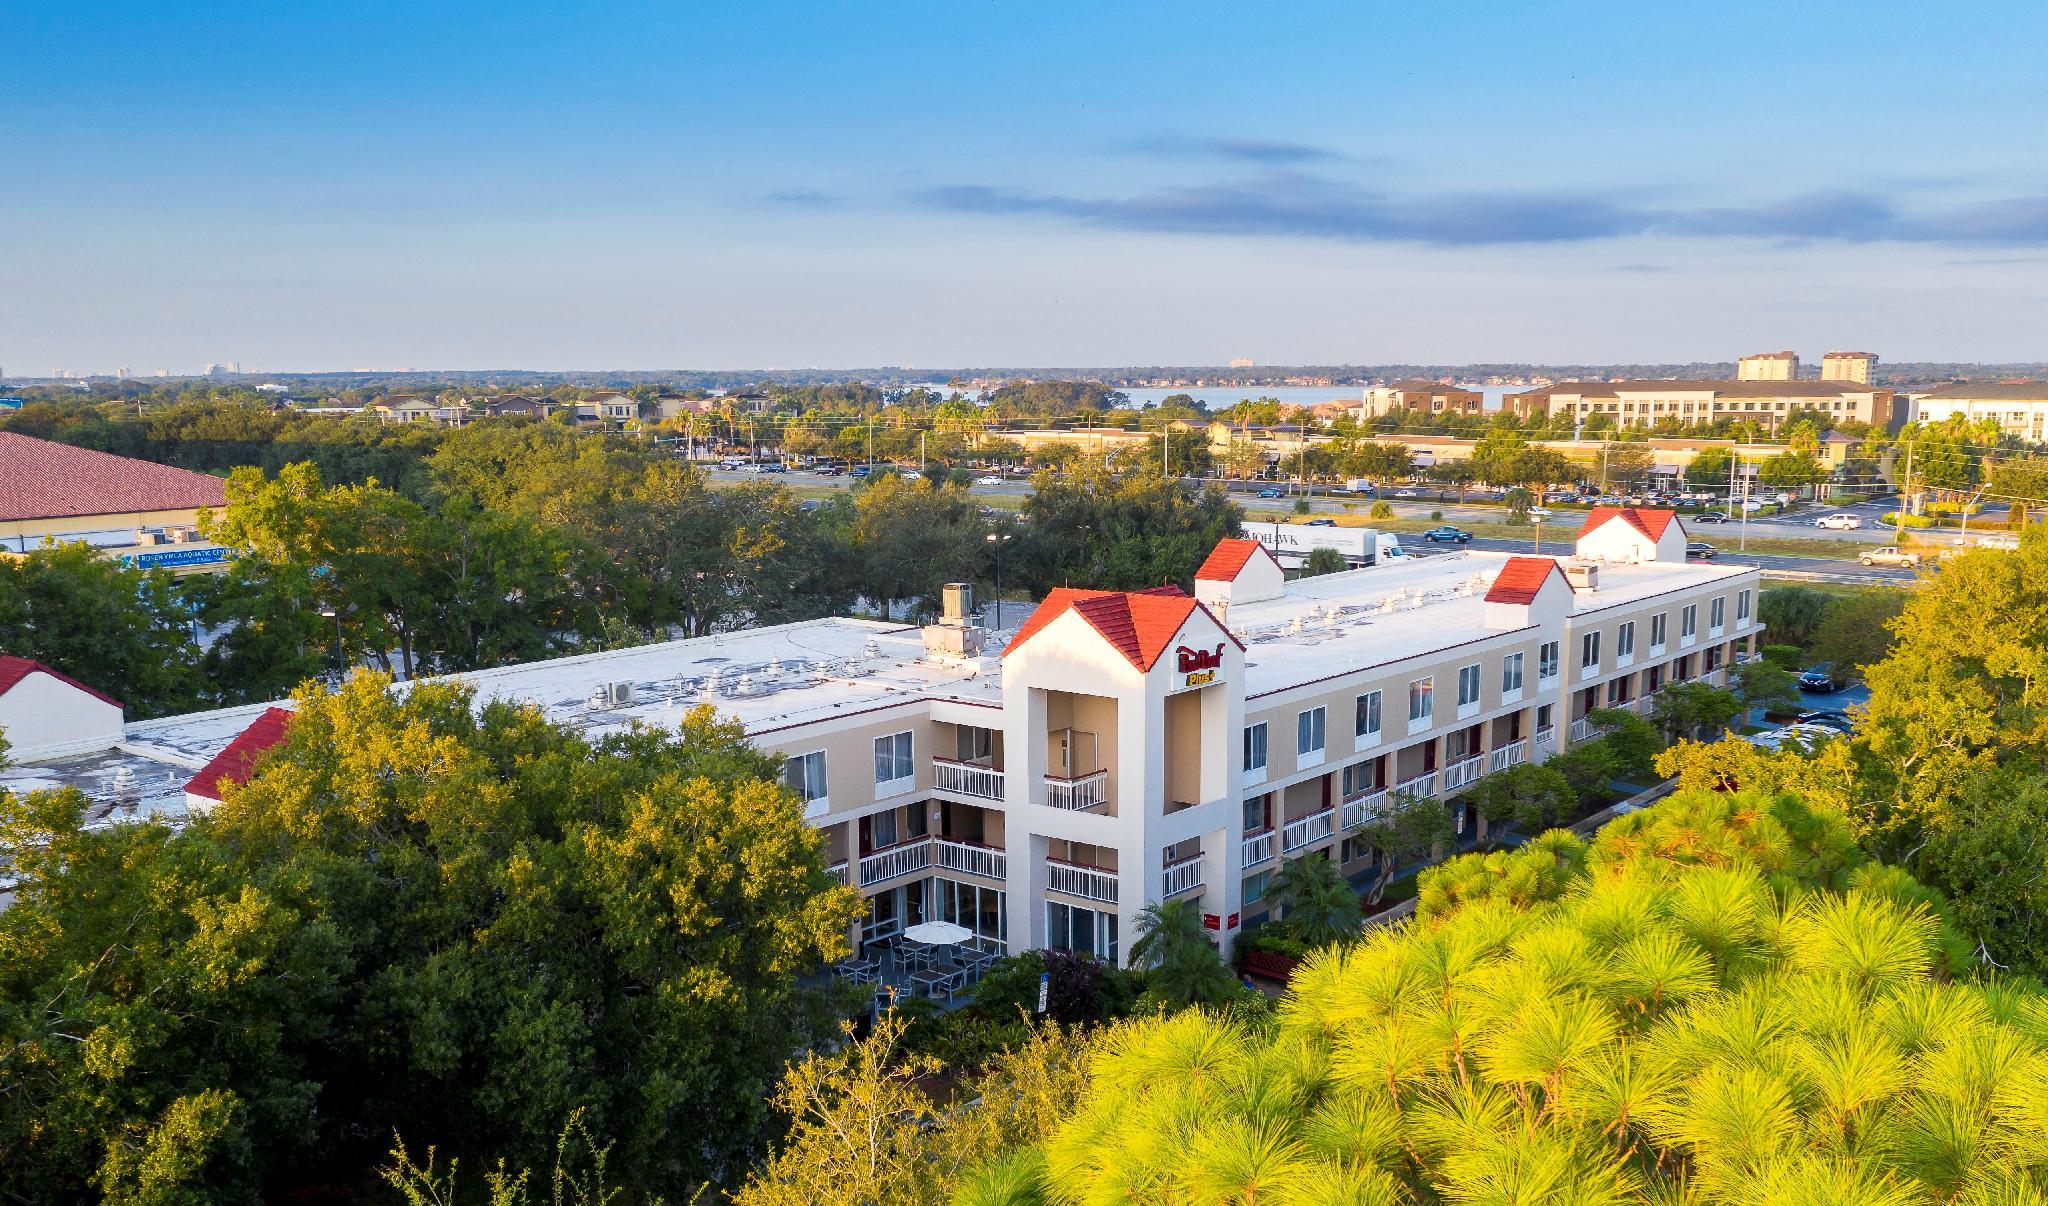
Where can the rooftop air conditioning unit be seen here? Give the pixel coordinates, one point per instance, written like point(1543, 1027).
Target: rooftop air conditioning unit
point(1583, 577)
point(145, 537)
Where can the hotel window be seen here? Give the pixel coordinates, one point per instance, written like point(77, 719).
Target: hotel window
point(1255, 746)
point(1511, 673)
point(1625, 640)
point(1421, 699)
point(805, 775)
point(1361, 777)
point(1717, 610)
point(1366, 722)
point(1255, 814)
point(1689, 621)
point(1308, 731)
point(1548, 658)
point(1082, 931)
point(1742, 608)
point(1543, 721)
point(1468, 685)
point(1657, 630)
point(1255, 887)
point(893, 766)
point(1589, 651)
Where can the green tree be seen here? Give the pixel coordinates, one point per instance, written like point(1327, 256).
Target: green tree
point(1182, 965)
point(1856, 632)
point(1791, 471)
point(1407, 830)
point(1313, 901)
point(1709, 469)
point(1118, 531)
point(119, 630)
point(1688, 710)
point(906, 539)
point(1793, 613)
point(460, 923)
point(1534, 796)
point(1766, 685)
point(1630, 740)
point(1323, 561)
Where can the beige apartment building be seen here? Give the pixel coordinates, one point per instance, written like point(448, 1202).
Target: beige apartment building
point(1429, 397)
point(2019, 408)
point(1767, 402)
point(1042, 781)
point(1848, 366)
point(1768, 366)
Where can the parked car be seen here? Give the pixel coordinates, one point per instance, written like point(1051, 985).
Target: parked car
point(830, 471)
point(912, 475)
point(1318, 523)
point(1541, 512)
point(1447, 535)
point(1829, 718)
point(775, 467)
point(1711, 517)
point(860, 471)
point(1269, 492)
point(1819, 679)
point(1700, 549)
point(1999, 540)
point(1840, 522)
point(988, 479)
point(1891, 555)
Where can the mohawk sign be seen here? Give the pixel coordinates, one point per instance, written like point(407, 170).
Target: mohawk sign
point(1198, 666)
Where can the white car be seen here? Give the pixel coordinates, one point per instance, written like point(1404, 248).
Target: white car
point(988, 479)
point(2000, 540)
point(1843, 522)
point(1541, 512)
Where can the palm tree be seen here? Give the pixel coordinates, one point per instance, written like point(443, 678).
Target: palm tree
point(1313, 900)
point(1184, 967)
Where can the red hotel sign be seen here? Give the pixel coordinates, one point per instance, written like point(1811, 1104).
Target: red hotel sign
point(1198, 666)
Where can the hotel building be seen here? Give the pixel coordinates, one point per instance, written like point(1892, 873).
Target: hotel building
point(1766, 402)
point(1041, 786)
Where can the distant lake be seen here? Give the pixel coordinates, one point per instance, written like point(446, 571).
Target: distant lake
point(1216, 397)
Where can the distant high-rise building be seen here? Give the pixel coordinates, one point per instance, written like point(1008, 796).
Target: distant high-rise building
point(1242, 362)
point(1848, 366)
point(163, 372)
point(212, 369)
point(1768, 366)
point(234, 366)
point(121, 373)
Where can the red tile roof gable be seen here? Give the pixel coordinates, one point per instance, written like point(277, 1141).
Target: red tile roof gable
point(1139, 624)
point(1650, 523)
point(1520, 580)
point(14, 669)
point(42, 479)
point(1228, 558)
point(237, 762)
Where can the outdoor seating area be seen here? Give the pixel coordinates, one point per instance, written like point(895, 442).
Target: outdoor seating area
point(936, 959)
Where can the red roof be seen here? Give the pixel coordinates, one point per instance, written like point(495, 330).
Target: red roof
point(14, 669)
point(237, 762)
point(1649, 523)
point(1139, 623)
point(1227, 559)
point(40, 479)
point(1520, 579)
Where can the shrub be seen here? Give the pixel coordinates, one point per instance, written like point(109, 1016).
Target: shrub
point(1891, 518)
point(1381, 510)
point(1786, 656)
point(1437, 515)
point(1844, 500)
point(1301, 506)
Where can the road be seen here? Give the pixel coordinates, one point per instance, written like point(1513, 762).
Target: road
point(1723, 535)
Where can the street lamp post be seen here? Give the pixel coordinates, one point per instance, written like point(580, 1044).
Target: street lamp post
point(1538, 521)
point(331, 614)
point(999, 541)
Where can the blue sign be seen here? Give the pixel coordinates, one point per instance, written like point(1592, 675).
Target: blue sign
point(171, 557)
point(10, 403)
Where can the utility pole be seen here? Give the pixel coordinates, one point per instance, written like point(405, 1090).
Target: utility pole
point(1905, 493)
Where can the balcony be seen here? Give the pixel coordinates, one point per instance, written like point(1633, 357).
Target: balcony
point(969, 858)
point(1546, 742)
point(1078, 795)
point(1258, 848)
point(1306, 831)
point(967, 779)
point(901, 859)
point(1512, 754)
point(1423, 784)
point(1464, 771)
point(1582, 728)
point(1183, 876)
point(1360, 811)
point(838, 871)
point(1073, 879)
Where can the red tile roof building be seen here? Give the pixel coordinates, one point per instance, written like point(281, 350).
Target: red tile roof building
point(1227, 558)
point(42, 479)
point(1139, 624)
point(14, 669)
point(1650, 523)
point(237, 762)
point(1520, 580)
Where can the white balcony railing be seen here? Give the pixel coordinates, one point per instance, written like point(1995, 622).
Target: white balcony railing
point(1088, 883)
point(896, 860)
point(1179, 877)
point(967, 779)
point(971, 859)
point(1545, 743)
point(1078, 795)
point(1512, 754)
point(1582, 728)
point(1360, 811)
point(1307, 831)
point(1464, 771)
point(1258, 848)
point(837, 871)
point(1421, 785)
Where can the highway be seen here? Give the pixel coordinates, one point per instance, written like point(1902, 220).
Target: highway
point(1724, 536)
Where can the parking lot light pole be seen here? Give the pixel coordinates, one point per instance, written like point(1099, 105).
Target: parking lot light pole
point(999, 541)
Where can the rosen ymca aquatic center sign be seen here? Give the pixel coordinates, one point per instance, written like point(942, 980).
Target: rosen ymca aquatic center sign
point(1198, 667)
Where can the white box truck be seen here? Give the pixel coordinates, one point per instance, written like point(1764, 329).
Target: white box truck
point(1291, 543)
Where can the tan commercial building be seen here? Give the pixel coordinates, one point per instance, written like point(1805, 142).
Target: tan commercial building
point(141, 512)
point(1429, 397)
point(1041, 786)
point(1848, 366)
point(2019, 408)
point(1768, 366)
point(1643, 403)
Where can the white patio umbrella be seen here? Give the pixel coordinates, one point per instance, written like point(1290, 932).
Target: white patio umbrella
point(938, 933)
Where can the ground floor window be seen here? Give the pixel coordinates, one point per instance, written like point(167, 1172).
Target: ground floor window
point(1082, 931)
point(979, 909)
point(1255, 887)
point(891, 910)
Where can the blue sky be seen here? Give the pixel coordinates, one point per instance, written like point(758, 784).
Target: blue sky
point(337, 186)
